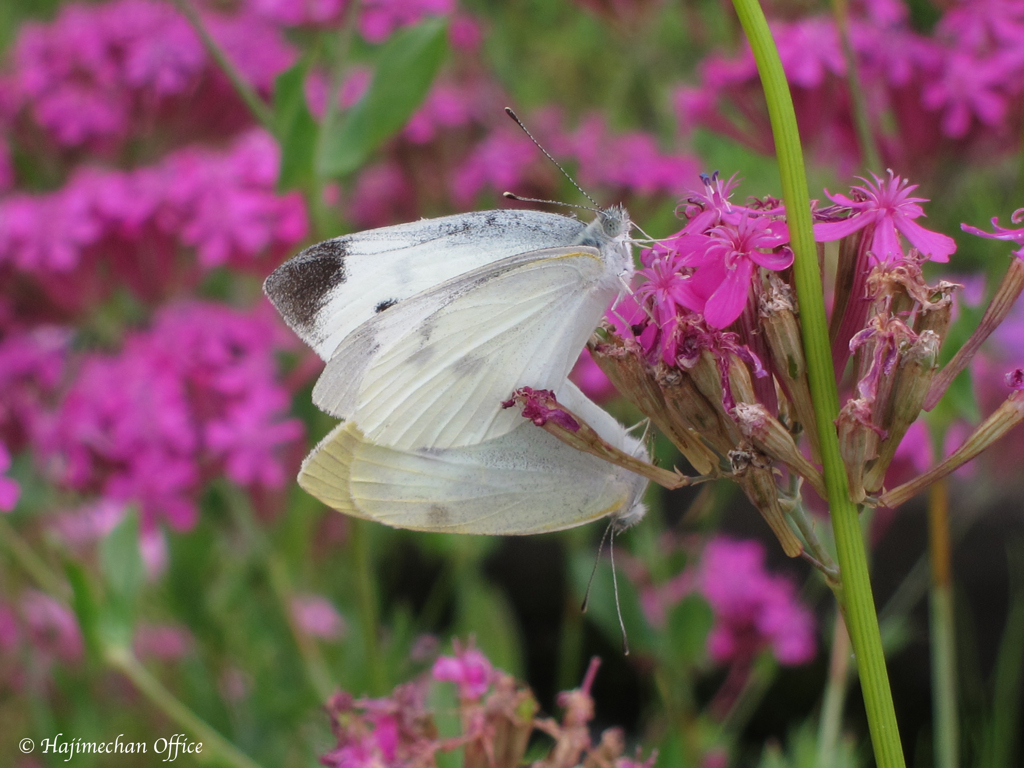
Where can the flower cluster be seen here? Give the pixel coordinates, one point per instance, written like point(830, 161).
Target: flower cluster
point(497, 717)
point(97, 75)
point(193, 397)
point(136, 225)
point(956, 90)
point(709, 344)
point(753, 609)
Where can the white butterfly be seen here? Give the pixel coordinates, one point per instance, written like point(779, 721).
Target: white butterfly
point(428, 326)
point(525, 481)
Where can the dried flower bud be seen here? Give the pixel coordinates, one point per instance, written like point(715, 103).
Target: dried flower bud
point(936, 314)
point(1006, 417)
point(1009, 290)
point(768, 435)
point(858, 443)
point(778, 319)
point(687, 406)
point(509, 713)
point(754, 474)
point(541, 407)
point(911, 383)
point(632, 376)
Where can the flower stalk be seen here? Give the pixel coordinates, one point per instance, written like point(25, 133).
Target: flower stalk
point(859, 606)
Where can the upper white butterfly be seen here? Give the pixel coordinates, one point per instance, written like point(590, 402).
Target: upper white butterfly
point(428, 326)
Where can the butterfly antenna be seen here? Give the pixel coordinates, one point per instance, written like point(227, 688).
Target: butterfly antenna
point(618, 606)
point(590, 582)
point(514, 196)
point(547, 154)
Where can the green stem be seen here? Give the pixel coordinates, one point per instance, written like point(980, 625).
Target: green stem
point(215, 747)
point(946, 731)
point(824, 560)
point(861, 122)
point(859, 601)
point(32, 563)
point(831, 722)
point(258, 544)
point(252, 100)
point(367, 597)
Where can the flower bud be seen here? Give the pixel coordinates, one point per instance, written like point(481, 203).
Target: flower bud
point(768, 435)
point(778, 319)
point(633, 378)
point(688, 408)
point(858, 443)
point(754, 474)
point(1006, 417)
point(1010, 288)
point(910, 386)
point(541, 407)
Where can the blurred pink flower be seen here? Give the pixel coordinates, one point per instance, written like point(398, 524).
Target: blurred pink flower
point(498, 163)
point(51, 627)
point(469, 668)
point(379, 18)
point(163, 642)
point(194, 393)
point(9, 489)
point(221, 205)
point(753, 609)
point(447, 106)
point(591, 379)
point(969, 88)
point(294, 13)
point(317, 617)
point(464, 33)
point(87, 525)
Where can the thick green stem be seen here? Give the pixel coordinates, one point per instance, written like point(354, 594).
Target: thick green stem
point(860, 615)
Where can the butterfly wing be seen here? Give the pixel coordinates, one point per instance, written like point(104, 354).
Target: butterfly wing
point(433, 370)
point(525, 481)
point(331, 288)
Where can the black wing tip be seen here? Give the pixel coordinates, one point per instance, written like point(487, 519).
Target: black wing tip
point(300, 287)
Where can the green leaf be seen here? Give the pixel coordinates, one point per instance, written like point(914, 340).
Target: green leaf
point(484, 613)
point(294, 126)
point(406, 67)
point(687, 628)
point(83, 603)
point(123, 574)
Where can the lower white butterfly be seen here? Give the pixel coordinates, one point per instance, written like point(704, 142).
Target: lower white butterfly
point(428, 326)
point(523, 482)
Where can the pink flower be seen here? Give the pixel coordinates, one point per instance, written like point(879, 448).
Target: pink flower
point(726, 262)
point(469, 668)
point(1001, 233)
point(51, 626)
point(499, 163)
point(164, 642)
point(294, 13)
point(591, 379)
point(194, 395)
point(888, 211)
point(379, 18)
point(317, 617)
point(9, 489)
point(752, 608)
